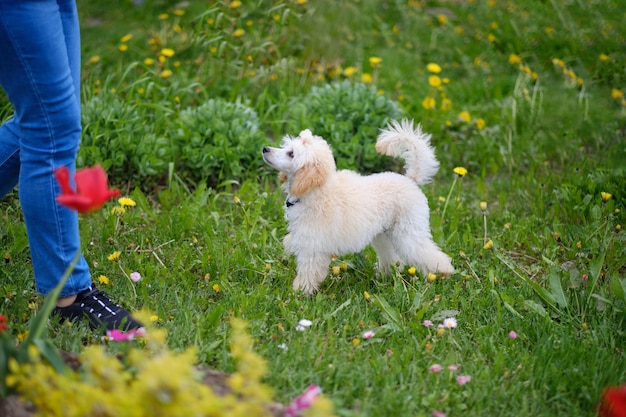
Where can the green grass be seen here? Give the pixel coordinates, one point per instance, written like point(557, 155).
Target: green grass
point(549, 147)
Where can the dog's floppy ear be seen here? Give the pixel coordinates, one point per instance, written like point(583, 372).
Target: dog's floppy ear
point(306, 178)
point(282, 177)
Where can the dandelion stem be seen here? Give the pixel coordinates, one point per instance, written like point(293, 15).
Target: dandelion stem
point(445, 206)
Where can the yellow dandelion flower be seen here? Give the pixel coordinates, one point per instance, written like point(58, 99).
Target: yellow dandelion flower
point(514, 59)
point(549, 30)
point(446, 104)
point(412, 271)
point(442, 19)
point(154, 318)
point(366, 78)
point(148, 61)
point(480, 124)
point(460, 171)
point(126, 38)
point(163, 16)
point(114, 256)
point(375, 61)
point(558, 62)
point(431, 277)
point(268, 267)
point(429, 103)
point(22, 336)
point(118, 210)
point(336, 270)
point(349, 71)
point(488, 245)
point(606, 196)
point(617, 94)
point(94, 59)
point(434, 81)
point(123, 47)
point(179, 12)
point(301, 2)
point(104, 280)
point(440, 331)
point(465, 116)
point(343, 266)
point(483, 205)
point(168, 52)
point(126, 202)
point(356, 342)
point(239, 33)
point(166, 73)
point(604, 57)
point(491, 38)
point(434, 68)
point(366, 295)
point(216, 288)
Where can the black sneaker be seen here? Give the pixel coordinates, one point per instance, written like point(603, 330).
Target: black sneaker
point(95, 306)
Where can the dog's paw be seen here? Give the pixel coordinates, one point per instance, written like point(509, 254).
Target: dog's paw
point(304, 286)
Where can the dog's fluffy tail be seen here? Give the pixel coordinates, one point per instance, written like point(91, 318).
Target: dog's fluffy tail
point(401, 139)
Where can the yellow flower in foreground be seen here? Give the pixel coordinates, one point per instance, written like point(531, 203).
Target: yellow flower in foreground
point(375, 61)
point(154, 318)
point(126, 202)
point(480, 124)
point(148, 61)
point(431, 277)
point(123, 47)
point(488, 245)
point(355, 342)
point(442, 19)
point(617, 94)
point(366, 78)
point(606, 196)
point(166, 73)
point(483, 205)
point(434, 81)
point(94, 59)
point(460, 171)
point(336, 270)
point(514, 59)
point(216, 288)
point(103, 280)
point(412, 271)
point(235, 4)
point(126, 38)
point(114, 256)
point(604, 57)
point(465, 116)
point(239, 33)
point(429, 103)
point(434, 68)
point(168, 52)
point(179, 12)
point(367, 295)
point(118, 210)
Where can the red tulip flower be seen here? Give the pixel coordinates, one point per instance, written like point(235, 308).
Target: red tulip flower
point(92, 189)
point(613, 402)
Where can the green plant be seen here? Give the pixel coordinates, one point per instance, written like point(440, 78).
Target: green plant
point(349, 115)
point(218, 141)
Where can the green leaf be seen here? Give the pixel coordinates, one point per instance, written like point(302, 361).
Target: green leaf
point(390, 313)
point(557, 288)
point(535, 308)
point(618, 286)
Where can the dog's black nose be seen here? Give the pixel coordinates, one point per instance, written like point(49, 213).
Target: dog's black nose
point(266, 149)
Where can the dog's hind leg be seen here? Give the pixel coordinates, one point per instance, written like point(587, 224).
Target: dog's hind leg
point(385, 252)
point(312, 270)
point(425, 255)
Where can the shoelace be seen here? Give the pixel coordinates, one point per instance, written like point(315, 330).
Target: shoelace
point(99, 304)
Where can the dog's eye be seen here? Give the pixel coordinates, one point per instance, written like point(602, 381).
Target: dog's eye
point(290, 154)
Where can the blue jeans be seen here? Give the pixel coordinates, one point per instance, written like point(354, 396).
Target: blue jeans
point(40, 74)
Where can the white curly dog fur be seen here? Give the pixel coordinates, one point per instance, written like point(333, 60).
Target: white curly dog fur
point(332, 212)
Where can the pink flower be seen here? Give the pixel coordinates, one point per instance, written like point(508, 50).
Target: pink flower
point(135, 276)
point(435, 368)
point(427, 323)
point(389, 352)
point(463, 379)
point(125, 336)
point(303, 401)
point(585, 277)
point(436, 413)
point(368, 334)
point(453, 367)
point(512, 335)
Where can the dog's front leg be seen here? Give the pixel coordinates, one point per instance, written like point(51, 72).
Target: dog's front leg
point(312, 270)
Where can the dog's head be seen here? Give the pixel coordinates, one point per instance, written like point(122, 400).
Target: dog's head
point(305, 162)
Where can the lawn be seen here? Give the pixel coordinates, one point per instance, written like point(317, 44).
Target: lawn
point(527, 96)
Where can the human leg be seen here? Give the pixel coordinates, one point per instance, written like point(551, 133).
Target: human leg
point(39, 45)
